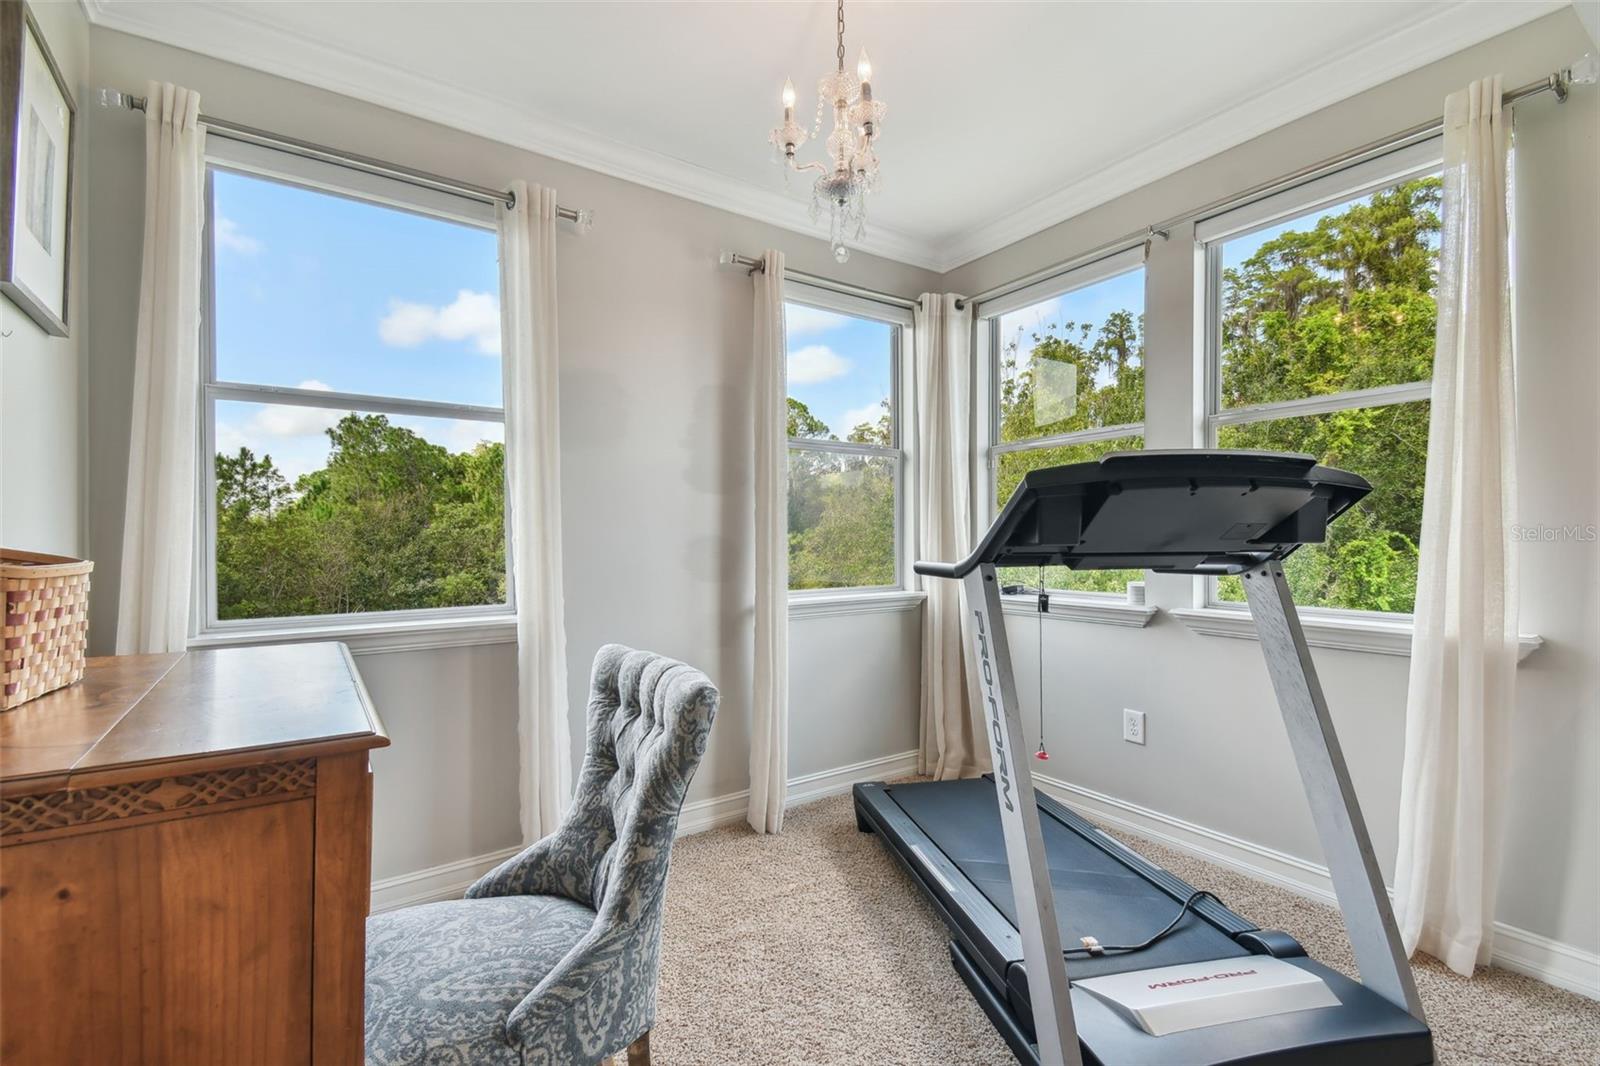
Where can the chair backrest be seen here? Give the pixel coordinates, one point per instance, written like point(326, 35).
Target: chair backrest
point(649, 720)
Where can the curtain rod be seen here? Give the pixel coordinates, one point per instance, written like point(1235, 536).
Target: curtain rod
point(757, 266)
point(308, 150)
point(1559, 83)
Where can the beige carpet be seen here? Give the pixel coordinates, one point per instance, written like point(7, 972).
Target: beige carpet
point(813, 947)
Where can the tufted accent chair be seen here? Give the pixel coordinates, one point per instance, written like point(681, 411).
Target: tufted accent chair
point(552, 957)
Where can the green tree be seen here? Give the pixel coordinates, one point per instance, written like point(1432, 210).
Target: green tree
point(391, 522)
point(804, 424)
point(841, 507)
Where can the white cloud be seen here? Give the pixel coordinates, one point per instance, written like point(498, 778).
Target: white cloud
point(473, 316)
point(231, 237)
point(801, 320)
point(858, 415)
point(816, 363)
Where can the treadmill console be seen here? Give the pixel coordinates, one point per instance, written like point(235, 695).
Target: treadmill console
point(1185, 512)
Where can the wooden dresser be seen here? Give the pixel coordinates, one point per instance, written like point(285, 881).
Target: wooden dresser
point(185, 856)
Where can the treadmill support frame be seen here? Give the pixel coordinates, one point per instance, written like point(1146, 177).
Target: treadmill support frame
point(1357, 881)
point(1054, 1028)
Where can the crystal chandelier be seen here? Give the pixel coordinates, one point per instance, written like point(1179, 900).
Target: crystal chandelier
point(851, 171)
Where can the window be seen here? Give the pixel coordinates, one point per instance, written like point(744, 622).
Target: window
point(1321, 341)
point(1068, 387)
point(845, 451)
point(353, 420)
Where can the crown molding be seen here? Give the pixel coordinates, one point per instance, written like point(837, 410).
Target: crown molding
point(241, 37)
point(1435, 33)
point(238, 36)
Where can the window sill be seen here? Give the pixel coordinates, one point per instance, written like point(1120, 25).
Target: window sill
point(1375, 635)
point(375, 638)
point(1066, 607)
point(828, 604)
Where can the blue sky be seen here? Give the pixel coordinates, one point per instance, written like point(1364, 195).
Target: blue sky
point(839, 366)
point(323, 292)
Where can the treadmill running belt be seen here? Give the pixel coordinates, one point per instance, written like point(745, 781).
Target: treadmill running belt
point(1095, 894)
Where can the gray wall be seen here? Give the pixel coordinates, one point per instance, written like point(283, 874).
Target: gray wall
point(1216, 755)
point(656, 476)
point(42, 452)
point(656, 512)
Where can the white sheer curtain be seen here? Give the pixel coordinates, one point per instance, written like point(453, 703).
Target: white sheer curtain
point(769, 707)
point(952, 744)
point(1464, 653)
point(158, 525)
point(533, 461)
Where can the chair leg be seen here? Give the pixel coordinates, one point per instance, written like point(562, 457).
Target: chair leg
point(639, 1051)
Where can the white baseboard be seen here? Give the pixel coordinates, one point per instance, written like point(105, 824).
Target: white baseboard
point(701, 815)
point(435, 883)
point(1551, 961)
point(451, 880)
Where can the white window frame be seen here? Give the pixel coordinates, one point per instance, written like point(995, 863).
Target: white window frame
point(990, 348)
point(900, 450)
point(376, 631)
point(1374, 175)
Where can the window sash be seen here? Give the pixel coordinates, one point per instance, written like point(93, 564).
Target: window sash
point(1081, 436)
point(989, 333)
point(1077, 436)
point(284, 396)
point(989, 352)
point(1211, 234)
point(902, 323)
point(265, 163)
point(1349, 183)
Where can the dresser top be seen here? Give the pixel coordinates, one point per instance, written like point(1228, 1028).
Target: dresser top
point(187, 712)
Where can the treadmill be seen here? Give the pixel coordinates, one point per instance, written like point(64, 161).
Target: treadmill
point(1153, 972)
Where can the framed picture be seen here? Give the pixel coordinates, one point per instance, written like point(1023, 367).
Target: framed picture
point(36, 120)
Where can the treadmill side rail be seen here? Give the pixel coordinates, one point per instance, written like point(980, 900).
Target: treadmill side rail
point(1056, 1033)
point(1357, 881)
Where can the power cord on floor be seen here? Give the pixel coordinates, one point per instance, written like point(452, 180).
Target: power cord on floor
point(1093, 948)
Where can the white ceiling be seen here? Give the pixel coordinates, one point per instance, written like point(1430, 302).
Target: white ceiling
point(1003, 118)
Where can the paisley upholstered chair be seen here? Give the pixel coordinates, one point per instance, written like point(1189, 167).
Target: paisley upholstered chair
point(552, 957)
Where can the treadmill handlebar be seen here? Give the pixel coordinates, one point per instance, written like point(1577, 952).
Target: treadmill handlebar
point(943, 569)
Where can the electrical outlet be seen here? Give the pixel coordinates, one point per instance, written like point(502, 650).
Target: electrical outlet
point(1133, 726)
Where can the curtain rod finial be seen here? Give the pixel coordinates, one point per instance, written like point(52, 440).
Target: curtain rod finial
point(116, 98)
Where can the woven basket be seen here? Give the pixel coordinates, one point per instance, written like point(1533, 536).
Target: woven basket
point(46, 623)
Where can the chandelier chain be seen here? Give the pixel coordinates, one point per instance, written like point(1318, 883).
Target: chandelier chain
point(840, 51)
